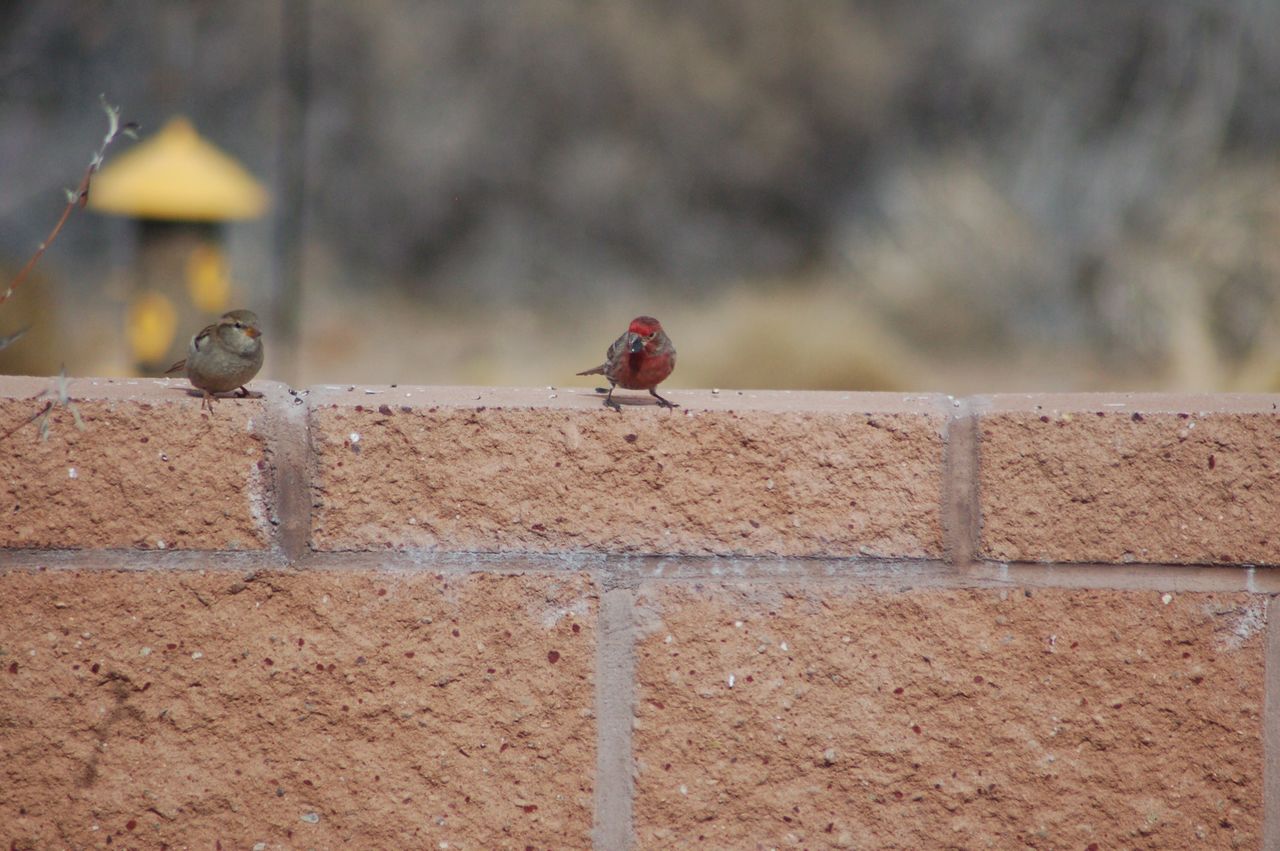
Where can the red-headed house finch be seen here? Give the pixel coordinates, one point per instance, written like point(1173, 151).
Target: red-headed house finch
point(224, 356)
point(640, 359)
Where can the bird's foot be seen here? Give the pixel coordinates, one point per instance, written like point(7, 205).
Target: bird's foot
point(666, 403)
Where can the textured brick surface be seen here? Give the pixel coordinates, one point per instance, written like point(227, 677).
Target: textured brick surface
point(346, 703)
point(750, 474)
point(947, 719)
point(1131, 478)
point(320, 709)
point(149, 470)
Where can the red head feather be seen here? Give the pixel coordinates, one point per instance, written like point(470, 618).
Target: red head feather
point(644, 326)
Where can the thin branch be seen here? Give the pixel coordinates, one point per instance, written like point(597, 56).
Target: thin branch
point(79, 197)
point(61, 399)
point(75, 200)
point(5, 342)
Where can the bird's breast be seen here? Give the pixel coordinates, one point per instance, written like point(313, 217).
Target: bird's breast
point(643, 371)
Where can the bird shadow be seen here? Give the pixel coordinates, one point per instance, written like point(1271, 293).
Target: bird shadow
point(625, 401)
point(230, 394)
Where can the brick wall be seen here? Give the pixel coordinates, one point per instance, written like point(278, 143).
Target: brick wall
point(495, 618)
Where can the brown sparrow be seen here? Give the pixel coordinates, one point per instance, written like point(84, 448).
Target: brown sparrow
point(224, 356)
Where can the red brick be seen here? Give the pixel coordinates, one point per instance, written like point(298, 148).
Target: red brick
point(757, 473)
point(1132, 478)
point(934, 718)
point(148, 470)
point(326, 709)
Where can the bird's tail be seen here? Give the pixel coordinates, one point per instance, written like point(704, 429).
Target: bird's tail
point(595, 370)
point(177, 367)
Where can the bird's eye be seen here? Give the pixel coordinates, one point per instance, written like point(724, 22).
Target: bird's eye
point(239, 324)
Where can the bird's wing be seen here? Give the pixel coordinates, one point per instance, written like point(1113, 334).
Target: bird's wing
point(204, 339)
point(199, 343)
point(616, 351)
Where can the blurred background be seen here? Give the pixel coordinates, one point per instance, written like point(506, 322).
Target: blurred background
point(956, 195)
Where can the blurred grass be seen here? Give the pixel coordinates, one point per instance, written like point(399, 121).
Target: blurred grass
point(811, 335)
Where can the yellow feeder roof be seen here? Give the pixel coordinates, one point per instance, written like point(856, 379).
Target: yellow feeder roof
point(177, 175)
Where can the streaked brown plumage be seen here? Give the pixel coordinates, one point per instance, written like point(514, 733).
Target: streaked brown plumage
point(224, 356)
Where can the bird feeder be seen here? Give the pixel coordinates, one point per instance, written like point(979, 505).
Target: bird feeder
point(181, 191)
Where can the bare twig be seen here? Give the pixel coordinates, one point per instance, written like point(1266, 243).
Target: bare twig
point(77, 198)
point(12, 338)
point(61, 399)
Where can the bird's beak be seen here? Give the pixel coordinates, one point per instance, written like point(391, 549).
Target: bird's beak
point(253, 333)
point(637, 344)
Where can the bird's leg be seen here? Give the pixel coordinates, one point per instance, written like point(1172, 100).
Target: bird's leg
point(608, 400)
point(207, 402)
point(663, 402)
point(244, 392)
